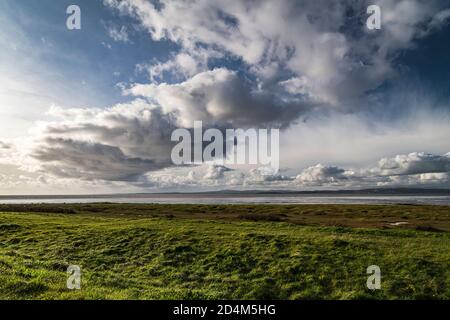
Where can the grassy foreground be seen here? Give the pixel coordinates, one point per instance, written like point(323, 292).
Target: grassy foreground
point(224, 252)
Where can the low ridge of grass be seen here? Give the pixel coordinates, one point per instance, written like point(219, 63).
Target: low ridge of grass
point(416, 217)
point(223, 252)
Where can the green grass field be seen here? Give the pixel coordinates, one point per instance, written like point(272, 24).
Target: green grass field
point(224, 252)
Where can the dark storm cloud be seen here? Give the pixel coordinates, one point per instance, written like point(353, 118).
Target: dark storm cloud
point(77, 159)
point(220, 97)
point(120, 143)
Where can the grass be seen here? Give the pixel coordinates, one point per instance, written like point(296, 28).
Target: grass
point(224, 252)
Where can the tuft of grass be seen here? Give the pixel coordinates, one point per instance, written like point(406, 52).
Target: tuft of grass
point(9, 226)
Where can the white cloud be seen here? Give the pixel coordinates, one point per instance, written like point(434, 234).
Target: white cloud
point(215, 172)
point(320, 175)
point(304, 38)
point(207, 177)
point(415, 163)
point(181, 66)
point(119, 35)
point(220, 97)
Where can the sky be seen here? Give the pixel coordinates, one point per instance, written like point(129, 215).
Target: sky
point(93, 110)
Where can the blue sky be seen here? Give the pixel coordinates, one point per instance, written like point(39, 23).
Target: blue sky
point(38, 32)
point(346, 98)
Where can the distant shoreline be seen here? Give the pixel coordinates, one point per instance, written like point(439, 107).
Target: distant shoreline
point(243, 194)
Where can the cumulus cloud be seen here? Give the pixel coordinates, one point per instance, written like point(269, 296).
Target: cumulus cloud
point(78, 159)
point(415, 163)
point(320, 175)
point(415, 180)
point(119, 143)
point(215, 172)
point(199, 177)
point(221, 97)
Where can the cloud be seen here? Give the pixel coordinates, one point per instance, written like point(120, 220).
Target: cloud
point(120, 143)
point(417, 180)
point(119, 35)
point(215, 172)
point(359, 140)
point(180, 66)
point(91, 161)
point(5, 146)
point(320, 174)
point(220, 97)
point(415, 163)
point(59, 160)
point(207, 177)
point(335, 56)
point(439, 19)
point(202, 177)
